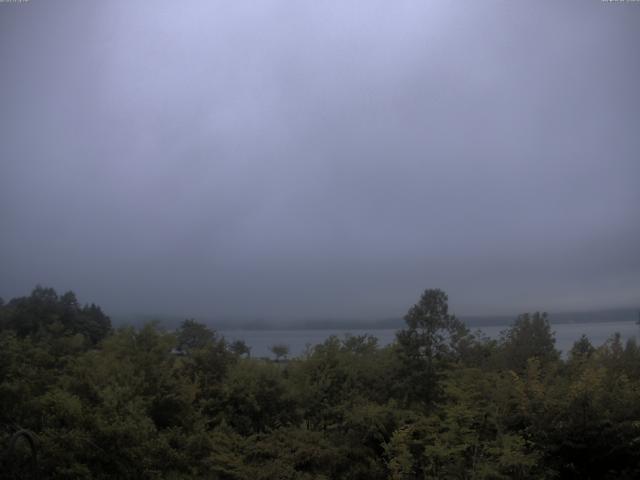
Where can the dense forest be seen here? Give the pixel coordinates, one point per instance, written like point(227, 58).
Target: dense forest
point(438, 403)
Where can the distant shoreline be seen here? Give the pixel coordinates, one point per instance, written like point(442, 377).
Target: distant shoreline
point(472, 321)
point(472, 326)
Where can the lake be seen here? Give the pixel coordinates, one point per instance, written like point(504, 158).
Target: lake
point(297, 340)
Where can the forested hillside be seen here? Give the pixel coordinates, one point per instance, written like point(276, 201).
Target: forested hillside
point(439, 403)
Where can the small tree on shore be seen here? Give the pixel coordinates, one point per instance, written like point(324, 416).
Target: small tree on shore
point(280, 351)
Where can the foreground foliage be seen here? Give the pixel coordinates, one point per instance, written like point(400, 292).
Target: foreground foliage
point(439, 403)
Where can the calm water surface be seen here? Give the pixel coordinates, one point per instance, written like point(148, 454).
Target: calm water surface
point(297, 340)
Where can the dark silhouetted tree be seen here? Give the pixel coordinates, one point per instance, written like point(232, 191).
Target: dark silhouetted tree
point(529, 337)
point(427, 344)
point(193, 335)
point(240, 348)
point(280, 351)
point(582, 349)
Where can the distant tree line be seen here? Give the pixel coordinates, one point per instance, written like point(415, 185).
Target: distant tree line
point(440, 402)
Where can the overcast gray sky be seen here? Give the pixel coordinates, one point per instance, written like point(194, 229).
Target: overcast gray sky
point(286, 159)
